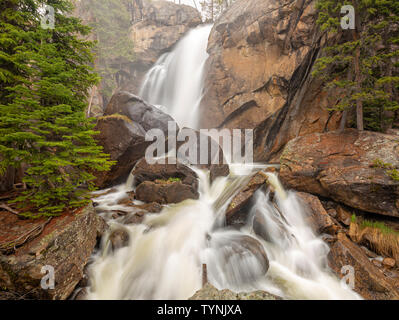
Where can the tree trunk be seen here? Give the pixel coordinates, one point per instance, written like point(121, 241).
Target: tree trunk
point(358, 75)
point(388, 115)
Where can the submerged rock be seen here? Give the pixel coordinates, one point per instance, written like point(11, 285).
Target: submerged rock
point(341, 166)
point(165, 183)
point(241, 258)
point(119, 238)
point(209, 292)
point(234, 214)
point(66, 244)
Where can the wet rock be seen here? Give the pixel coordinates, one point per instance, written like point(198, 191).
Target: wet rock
point(209, 292)
point(316, 215)
point(119, 239)
point(242, 199)
point(259, 226)
point(258, 74)
point(237, 247)
point(66, 243)
point(152, 207)
point(370, 282)
point(166, 192)
point(165, 183)
point(216, 162)
point(135, 218)
point(341, 166)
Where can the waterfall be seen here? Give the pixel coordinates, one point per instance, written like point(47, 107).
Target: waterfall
point(166, 251)
point(175, 81)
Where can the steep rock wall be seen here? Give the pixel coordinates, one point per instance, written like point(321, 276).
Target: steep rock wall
point(259, 74)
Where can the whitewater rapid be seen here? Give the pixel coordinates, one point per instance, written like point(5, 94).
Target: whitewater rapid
point(166, 251)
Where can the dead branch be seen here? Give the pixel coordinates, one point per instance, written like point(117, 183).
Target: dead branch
point(5, 207)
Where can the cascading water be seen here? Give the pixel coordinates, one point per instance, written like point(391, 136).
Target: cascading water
point(166, 251)
point(175, 81)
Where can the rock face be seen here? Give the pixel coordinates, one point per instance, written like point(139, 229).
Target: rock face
point(370, 282)
point(258, 74)
point(165, 183)
point(209, 292)
point(341, 166)
point(66, 243)
point(122, 134)
point(317, 217)
point(162, 26)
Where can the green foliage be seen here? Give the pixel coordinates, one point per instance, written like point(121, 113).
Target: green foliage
point(373, 47)
point(390, 170)
point(44, 82)
point(364, 223)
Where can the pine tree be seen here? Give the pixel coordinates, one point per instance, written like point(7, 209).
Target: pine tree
point(362, 63)
point(44, 81)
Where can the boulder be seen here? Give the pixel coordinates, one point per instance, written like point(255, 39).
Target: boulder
point(258, 74)
point(119, 238)
point(341, 166)
point(316, 216)
point(164, 23)
point(216, 162)
point(370, 282)
point(236, 248)
point(235, 213)
point(165, 183)
point(124, 142)
point(144, 115)
point(123, 128)
point(65, 243)
point(209, 292)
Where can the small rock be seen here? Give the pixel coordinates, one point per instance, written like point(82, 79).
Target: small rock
point(81, 295)
point(119, 239)
point(152, 207)
point(344, 216)
point(389, 262)
point(136, 218)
